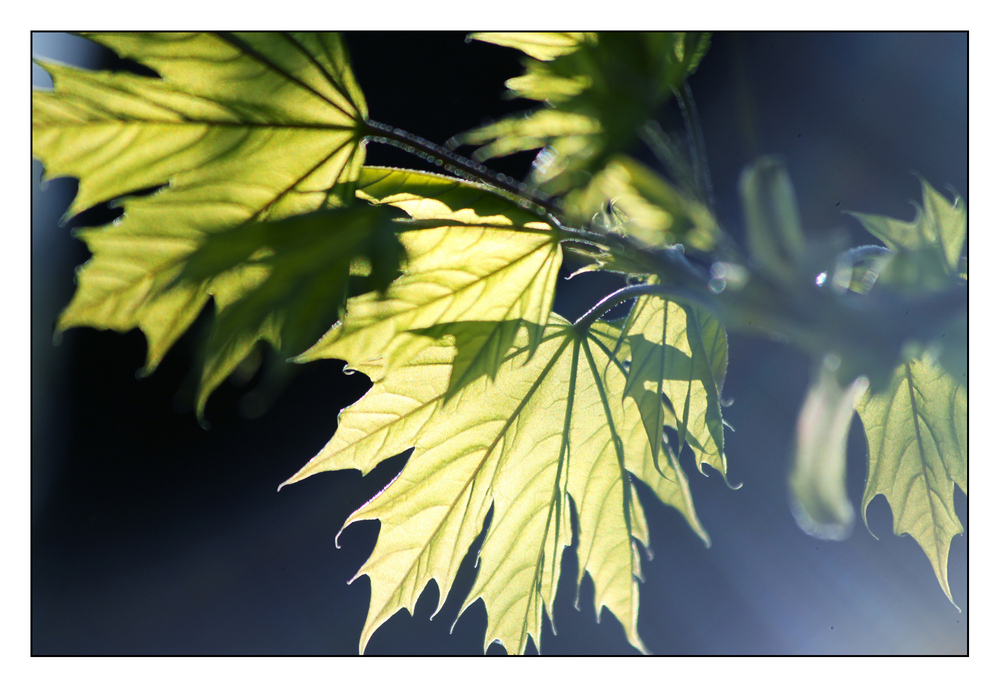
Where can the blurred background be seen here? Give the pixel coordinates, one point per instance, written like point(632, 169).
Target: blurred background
point(153, 536)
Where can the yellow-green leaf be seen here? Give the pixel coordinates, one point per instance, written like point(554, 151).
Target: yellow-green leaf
point(918, 438)
point(286, 281)
point(474, 256)
point(541, 45)
point(940, 226)
point(601, 87)
point(654, 211)
point(240, 127)
point(680, 353)
point(551, 427)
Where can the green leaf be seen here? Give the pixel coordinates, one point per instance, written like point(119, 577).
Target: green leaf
point(475, 256)
point(678, 352)
point(240, 127)
point(818, 480)
point(774, 231)
point(654, 211)
point(939, 228)
point(918, 438)
point(600, 89)
point(286, 281)
point(551, 427)
point(541, 45)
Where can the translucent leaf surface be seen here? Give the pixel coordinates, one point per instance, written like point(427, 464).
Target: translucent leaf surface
point(474, 257)
point(917, 428)
point(286, 281)
point(774, 231)
point(819, 474)
point(551, 427)
point(680, 353)
point(601, 90)
point(918, 439)
point(239, 128)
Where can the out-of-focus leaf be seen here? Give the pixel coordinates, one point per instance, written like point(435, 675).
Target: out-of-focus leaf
point(939, 227)
point(918, 438)
point(774, 231)
point(553, 426)
point(474, 256)
point(654, 211)
point(240, 127)
point(818, 479)
point(541, 45)
point(600, 91)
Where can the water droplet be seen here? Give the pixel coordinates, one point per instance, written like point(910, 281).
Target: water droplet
point(716, 285)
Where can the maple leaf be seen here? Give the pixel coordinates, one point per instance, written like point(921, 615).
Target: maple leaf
point(600, 88)
point(475, 256)
point(917, 428)
point(551, 427)
point(678, 352)
point(240, 128)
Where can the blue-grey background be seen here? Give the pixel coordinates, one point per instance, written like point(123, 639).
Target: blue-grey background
point(153, 536)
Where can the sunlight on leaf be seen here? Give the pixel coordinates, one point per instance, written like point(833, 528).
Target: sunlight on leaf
point(240, 128)
point(918, 438)
point(474, 257)
point(680, 353)
point(552, 427)
point(601, 88)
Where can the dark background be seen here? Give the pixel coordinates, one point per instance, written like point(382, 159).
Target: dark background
point(153, 536)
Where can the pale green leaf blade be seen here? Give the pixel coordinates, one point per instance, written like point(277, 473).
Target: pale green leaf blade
point(474, 257)
point(918, 436)
point(653, 211)
point(240, 127)
point(554, 425)
point(774, 230)
point(681, 353)
point(598, 94)
point(285, 281)
point(818, 480)
point(541, 45)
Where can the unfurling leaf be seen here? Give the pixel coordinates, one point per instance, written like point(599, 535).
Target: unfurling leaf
point(652, 210)
point(551, 427)
point(239, 128)
point(774, 231)
point(819, 474)
point(602, 87)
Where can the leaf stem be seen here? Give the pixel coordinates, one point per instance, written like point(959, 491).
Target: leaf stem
point(458, 165)
point(634, 291)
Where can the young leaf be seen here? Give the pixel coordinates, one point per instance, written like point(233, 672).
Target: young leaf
point(474, 257)
point(774, 230)
point(551, 427)
point(654, 211)
point(917, 428)
point(678, 352)
point(601, 89)
point(918, 438)
point(240, 127)
point(819, 474)
point(541, 45)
